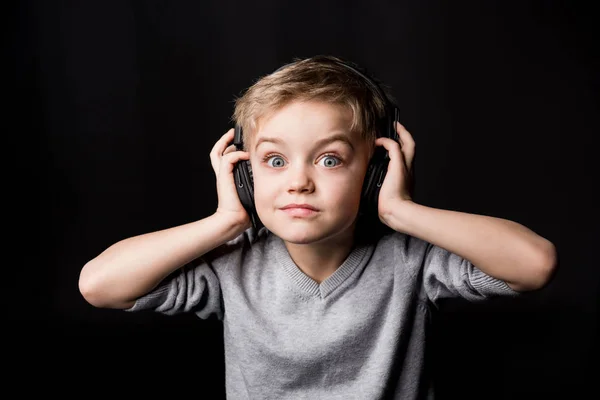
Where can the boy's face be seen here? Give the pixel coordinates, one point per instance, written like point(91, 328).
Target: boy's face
point(315, 160)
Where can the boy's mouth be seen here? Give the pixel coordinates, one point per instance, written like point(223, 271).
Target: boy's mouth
point(299, 210)
point(294, 205)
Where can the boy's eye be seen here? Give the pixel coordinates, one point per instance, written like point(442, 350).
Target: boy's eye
point(330, 161)
point(275, 161)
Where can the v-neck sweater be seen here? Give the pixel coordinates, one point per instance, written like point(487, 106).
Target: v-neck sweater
point(359, 334)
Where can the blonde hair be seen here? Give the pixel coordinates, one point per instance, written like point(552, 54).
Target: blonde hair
point(319, 78)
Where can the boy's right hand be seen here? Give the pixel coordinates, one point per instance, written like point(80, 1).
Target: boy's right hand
point(223, 157)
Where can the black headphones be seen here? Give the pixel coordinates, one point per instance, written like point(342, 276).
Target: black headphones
point(375, 171)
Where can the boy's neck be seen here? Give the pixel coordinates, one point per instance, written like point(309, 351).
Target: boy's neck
point(319, 260)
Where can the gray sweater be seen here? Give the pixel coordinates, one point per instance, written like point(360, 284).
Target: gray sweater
point(360, 334)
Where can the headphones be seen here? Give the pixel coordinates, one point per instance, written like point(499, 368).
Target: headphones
point(376, 169)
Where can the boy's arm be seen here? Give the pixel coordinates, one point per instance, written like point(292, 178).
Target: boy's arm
point(500, 248)
point(134, 266)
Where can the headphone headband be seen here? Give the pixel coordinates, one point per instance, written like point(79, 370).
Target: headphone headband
point(361, 72)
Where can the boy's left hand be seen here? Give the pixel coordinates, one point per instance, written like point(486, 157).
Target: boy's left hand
point(398, 183)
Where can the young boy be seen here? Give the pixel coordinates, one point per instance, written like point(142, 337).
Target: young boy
point(309, 310)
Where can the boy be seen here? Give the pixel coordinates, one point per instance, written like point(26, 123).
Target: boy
point(312, 306)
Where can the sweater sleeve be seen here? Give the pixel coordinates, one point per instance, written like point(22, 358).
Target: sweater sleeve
point(448, 275)
point(196, 287)
point(192, 288)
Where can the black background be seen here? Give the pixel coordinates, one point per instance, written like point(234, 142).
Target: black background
point(113, 107)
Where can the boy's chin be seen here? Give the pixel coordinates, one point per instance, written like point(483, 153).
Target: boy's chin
point(306, 234)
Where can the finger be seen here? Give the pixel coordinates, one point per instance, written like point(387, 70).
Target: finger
point(408, 144)
point(230, 149)
point(220, 147)
point(394, 151)
point(230, 159)
point(224, 140)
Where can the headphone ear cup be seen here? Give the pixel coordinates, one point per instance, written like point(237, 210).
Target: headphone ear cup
point(378, 165)
point(250, 174)
point(244, 184)
point(244, 180)
point(373, 180)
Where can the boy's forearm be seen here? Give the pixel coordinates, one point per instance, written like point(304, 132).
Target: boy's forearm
point(501, 248)
point(132, 267)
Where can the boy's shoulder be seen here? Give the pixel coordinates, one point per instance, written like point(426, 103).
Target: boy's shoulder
point(242, 243)
point(402, 244)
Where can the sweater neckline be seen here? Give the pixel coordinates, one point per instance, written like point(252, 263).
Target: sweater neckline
point(358, 257)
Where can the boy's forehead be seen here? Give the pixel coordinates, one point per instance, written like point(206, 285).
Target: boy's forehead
point(316, 120)
point(334, 137)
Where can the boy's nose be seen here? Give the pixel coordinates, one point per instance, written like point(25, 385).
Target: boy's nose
point(299, 180)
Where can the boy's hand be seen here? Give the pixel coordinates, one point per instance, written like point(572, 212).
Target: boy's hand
point(398, 182)
point(223, 157)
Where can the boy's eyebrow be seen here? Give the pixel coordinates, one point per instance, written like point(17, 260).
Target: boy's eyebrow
point(338, 137)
